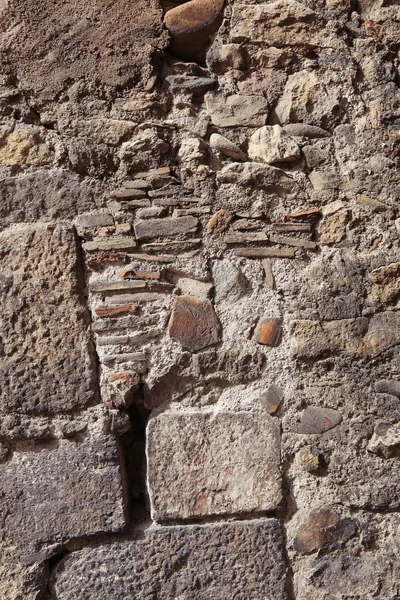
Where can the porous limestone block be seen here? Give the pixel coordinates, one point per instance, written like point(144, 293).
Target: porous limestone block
point(53, 491)
point(238, 560)
point(223, 464)
point(46, 363)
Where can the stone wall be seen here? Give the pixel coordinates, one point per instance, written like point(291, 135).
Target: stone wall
point(200, 294)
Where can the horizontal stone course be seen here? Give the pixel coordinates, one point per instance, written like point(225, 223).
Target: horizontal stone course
point(238, 560)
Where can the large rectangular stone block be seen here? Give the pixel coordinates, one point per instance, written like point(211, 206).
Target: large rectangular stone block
point(53, 491)
point(223, 464)
point(46, 365)
point(241, 560)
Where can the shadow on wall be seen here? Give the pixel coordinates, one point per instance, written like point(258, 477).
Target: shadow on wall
point(191, 24)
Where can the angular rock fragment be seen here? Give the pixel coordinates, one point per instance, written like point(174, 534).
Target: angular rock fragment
point(43, 323)
point(194, 323)
point(191, 25)
point(237, 110)
point(319, 420)
point(222, 464)
point(271, 144)
point(271, 399)
point(230, 283)
point(240, 559)
point(268, 332)
point(386, 439)
point(219, 222)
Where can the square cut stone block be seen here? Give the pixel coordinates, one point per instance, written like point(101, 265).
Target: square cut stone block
point(240, 560)
point(58, 490)
point(200, 464)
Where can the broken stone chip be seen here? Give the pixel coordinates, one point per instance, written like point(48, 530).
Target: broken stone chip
point(194, 323)
point(321, 529)
point(271, 399)
point(268, 332)
point(319, 420)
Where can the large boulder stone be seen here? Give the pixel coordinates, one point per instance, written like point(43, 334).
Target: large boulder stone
point(225, 464)
point(241, 560)
point(46, 363)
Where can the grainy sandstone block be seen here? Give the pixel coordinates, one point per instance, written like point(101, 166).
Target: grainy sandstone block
point(46, 364)
point(54, 492)
point(237, 111)
point(239, 560)
point(225, 464)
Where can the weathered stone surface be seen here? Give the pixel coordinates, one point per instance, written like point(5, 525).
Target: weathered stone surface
point(52, 493)
point(271, 399)
point(316, 339)
point(19, 580)
point(272, 145)
point(222, 144)
point(385, 386)
point(25, 147)
point(222, 464)
point(279, 23)
point(191, 25)
point(230, 283)
point(58, 195)
point(44, 323)
point(386, 439)
point(320, 529)
point(197, 562)
point(305, 130)
point(223, 57)
point(156, 228)
point(56, 44)
point(194, 323)
point(318, 420)
point(268, 332)
point(237, 110)
point(385, 284)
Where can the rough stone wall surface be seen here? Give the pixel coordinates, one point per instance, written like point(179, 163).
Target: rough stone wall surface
point(200, 300)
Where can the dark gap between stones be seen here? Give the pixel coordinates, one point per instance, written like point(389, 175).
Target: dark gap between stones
point(133, 446)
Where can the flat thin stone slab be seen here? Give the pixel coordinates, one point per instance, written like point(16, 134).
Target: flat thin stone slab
point(223, 464)
point(240, 560)
point(316, 419)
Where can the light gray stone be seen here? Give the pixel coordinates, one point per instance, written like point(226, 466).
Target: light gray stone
point(156, 228)
point(222, 464)
point(230, 283)
point(271, 144)
point(222, 144)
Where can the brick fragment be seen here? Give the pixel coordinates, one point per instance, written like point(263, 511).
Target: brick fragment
point(268, 332)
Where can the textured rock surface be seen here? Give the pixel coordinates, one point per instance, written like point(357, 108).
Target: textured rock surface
point(44, 323)
point(199, 291)
point(191, 562)
point(225, 464)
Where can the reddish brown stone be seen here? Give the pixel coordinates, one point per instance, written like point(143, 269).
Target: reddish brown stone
point(128, 273)
point(115, 311)
point(271, 399)
point(100, 259)
point(268, 332)
point(191, 25)
point(219, 221)
point(193, 323)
